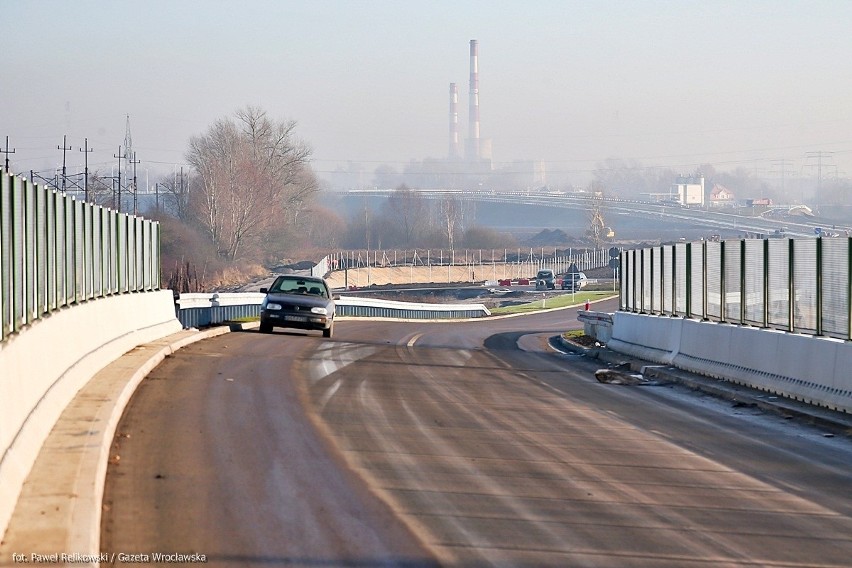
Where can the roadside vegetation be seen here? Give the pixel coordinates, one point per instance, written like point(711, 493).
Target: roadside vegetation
point(553, 302)
point(251, 204)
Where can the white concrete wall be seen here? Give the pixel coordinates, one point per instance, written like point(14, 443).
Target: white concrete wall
point(43, 367)
point(655, 338)
point(802, 367)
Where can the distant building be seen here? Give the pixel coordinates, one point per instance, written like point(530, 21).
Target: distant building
point(688, 190)
point(721, 196)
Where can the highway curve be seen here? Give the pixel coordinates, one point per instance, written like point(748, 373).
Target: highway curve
point(463, 444)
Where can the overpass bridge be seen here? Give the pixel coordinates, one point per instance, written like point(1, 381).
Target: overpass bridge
point(79, 287)
point(710, 219)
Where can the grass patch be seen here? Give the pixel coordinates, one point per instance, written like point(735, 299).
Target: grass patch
point(552, 302)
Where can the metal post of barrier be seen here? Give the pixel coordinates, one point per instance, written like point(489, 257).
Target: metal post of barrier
point(642, 281)
point(704, 280)
point(849, 288)
point(722, 287)
point(17, 256)
point(633, 279)
point(674, 281)
point(766, 267)
point(742, 280)
point(651, 285)
point(791, 289)
point(5, 257)
point(688, 300)
point(819, 290)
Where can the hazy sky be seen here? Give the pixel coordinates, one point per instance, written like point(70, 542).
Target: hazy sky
point(668, 83)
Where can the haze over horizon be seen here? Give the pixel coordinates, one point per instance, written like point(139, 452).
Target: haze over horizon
point(668, 84)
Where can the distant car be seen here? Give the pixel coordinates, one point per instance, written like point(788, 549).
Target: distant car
point(545, 280)
point(573, 281)
point(299, 302)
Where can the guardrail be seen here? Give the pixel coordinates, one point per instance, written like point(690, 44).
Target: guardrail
point(199, 310)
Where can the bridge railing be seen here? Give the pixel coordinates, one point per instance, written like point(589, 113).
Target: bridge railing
point(198, 310)
point(57, 251)
point(796, 285)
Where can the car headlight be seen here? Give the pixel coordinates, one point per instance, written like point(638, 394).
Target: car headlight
point(272, 306)
point(318, 310)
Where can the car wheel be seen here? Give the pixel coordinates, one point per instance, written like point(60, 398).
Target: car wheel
point(328, 332)
point(265, 327)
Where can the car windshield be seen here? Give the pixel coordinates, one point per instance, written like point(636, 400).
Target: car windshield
point(299, 286)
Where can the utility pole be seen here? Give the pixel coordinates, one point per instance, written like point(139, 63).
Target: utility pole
point(781, 171)
point(85, 149)
point(134, 161)
point(64, 149)
point(7, 151)
point(120, 157)
point(818, 156)
point(128, 153)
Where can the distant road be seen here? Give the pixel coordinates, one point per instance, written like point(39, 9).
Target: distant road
point(717, 218)
point(470, 444)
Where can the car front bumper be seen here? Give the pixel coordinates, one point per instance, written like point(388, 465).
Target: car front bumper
point(277, 318)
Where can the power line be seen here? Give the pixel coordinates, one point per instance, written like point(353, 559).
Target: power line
point(819, 156)
point(782, 172)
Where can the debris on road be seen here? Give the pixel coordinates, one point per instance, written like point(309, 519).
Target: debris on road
point(621, 375)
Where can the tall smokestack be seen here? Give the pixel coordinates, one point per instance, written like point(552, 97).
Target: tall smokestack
point(473, 152)
point(454, 121)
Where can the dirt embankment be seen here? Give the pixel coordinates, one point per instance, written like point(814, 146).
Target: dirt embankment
point(381, 275)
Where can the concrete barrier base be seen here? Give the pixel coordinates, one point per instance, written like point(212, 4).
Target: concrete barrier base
point(800, 367)
point(45, 366)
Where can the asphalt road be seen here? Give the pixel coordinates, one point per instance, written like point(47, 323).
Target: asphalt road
point(465, 444)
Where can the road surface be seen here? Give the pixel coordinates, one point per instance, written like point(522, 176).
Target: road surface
point(462, 444)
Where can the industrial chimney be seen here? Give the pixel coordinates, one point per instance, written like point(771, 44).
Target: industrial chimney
point(473, 150)
point(454, 121)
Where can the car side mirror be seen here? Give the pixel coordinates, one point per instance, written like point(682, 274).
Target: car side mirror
point(264, 290)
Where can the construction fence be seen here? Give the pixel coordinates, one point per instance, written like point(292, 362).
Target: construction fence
point(795, 285)
point(526, 262)
point(57, 251)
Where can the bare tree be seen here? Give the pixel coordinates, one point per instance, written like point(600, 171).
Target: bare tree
point(451, 216)
point(410, 210)
point(173, 195)
point(251, 172)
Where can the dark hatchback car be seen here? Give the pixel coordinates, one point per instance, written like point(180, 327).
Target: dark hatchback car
point(544, 280)
point(299, 302)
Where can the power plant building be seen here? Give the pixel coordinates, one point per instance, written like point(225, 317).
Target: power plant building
point(472, 153)
point(454, 122)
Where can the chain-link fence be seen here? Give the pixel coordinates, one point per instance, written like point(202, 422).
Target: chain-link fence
point(801, 286)
point(56, 251)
